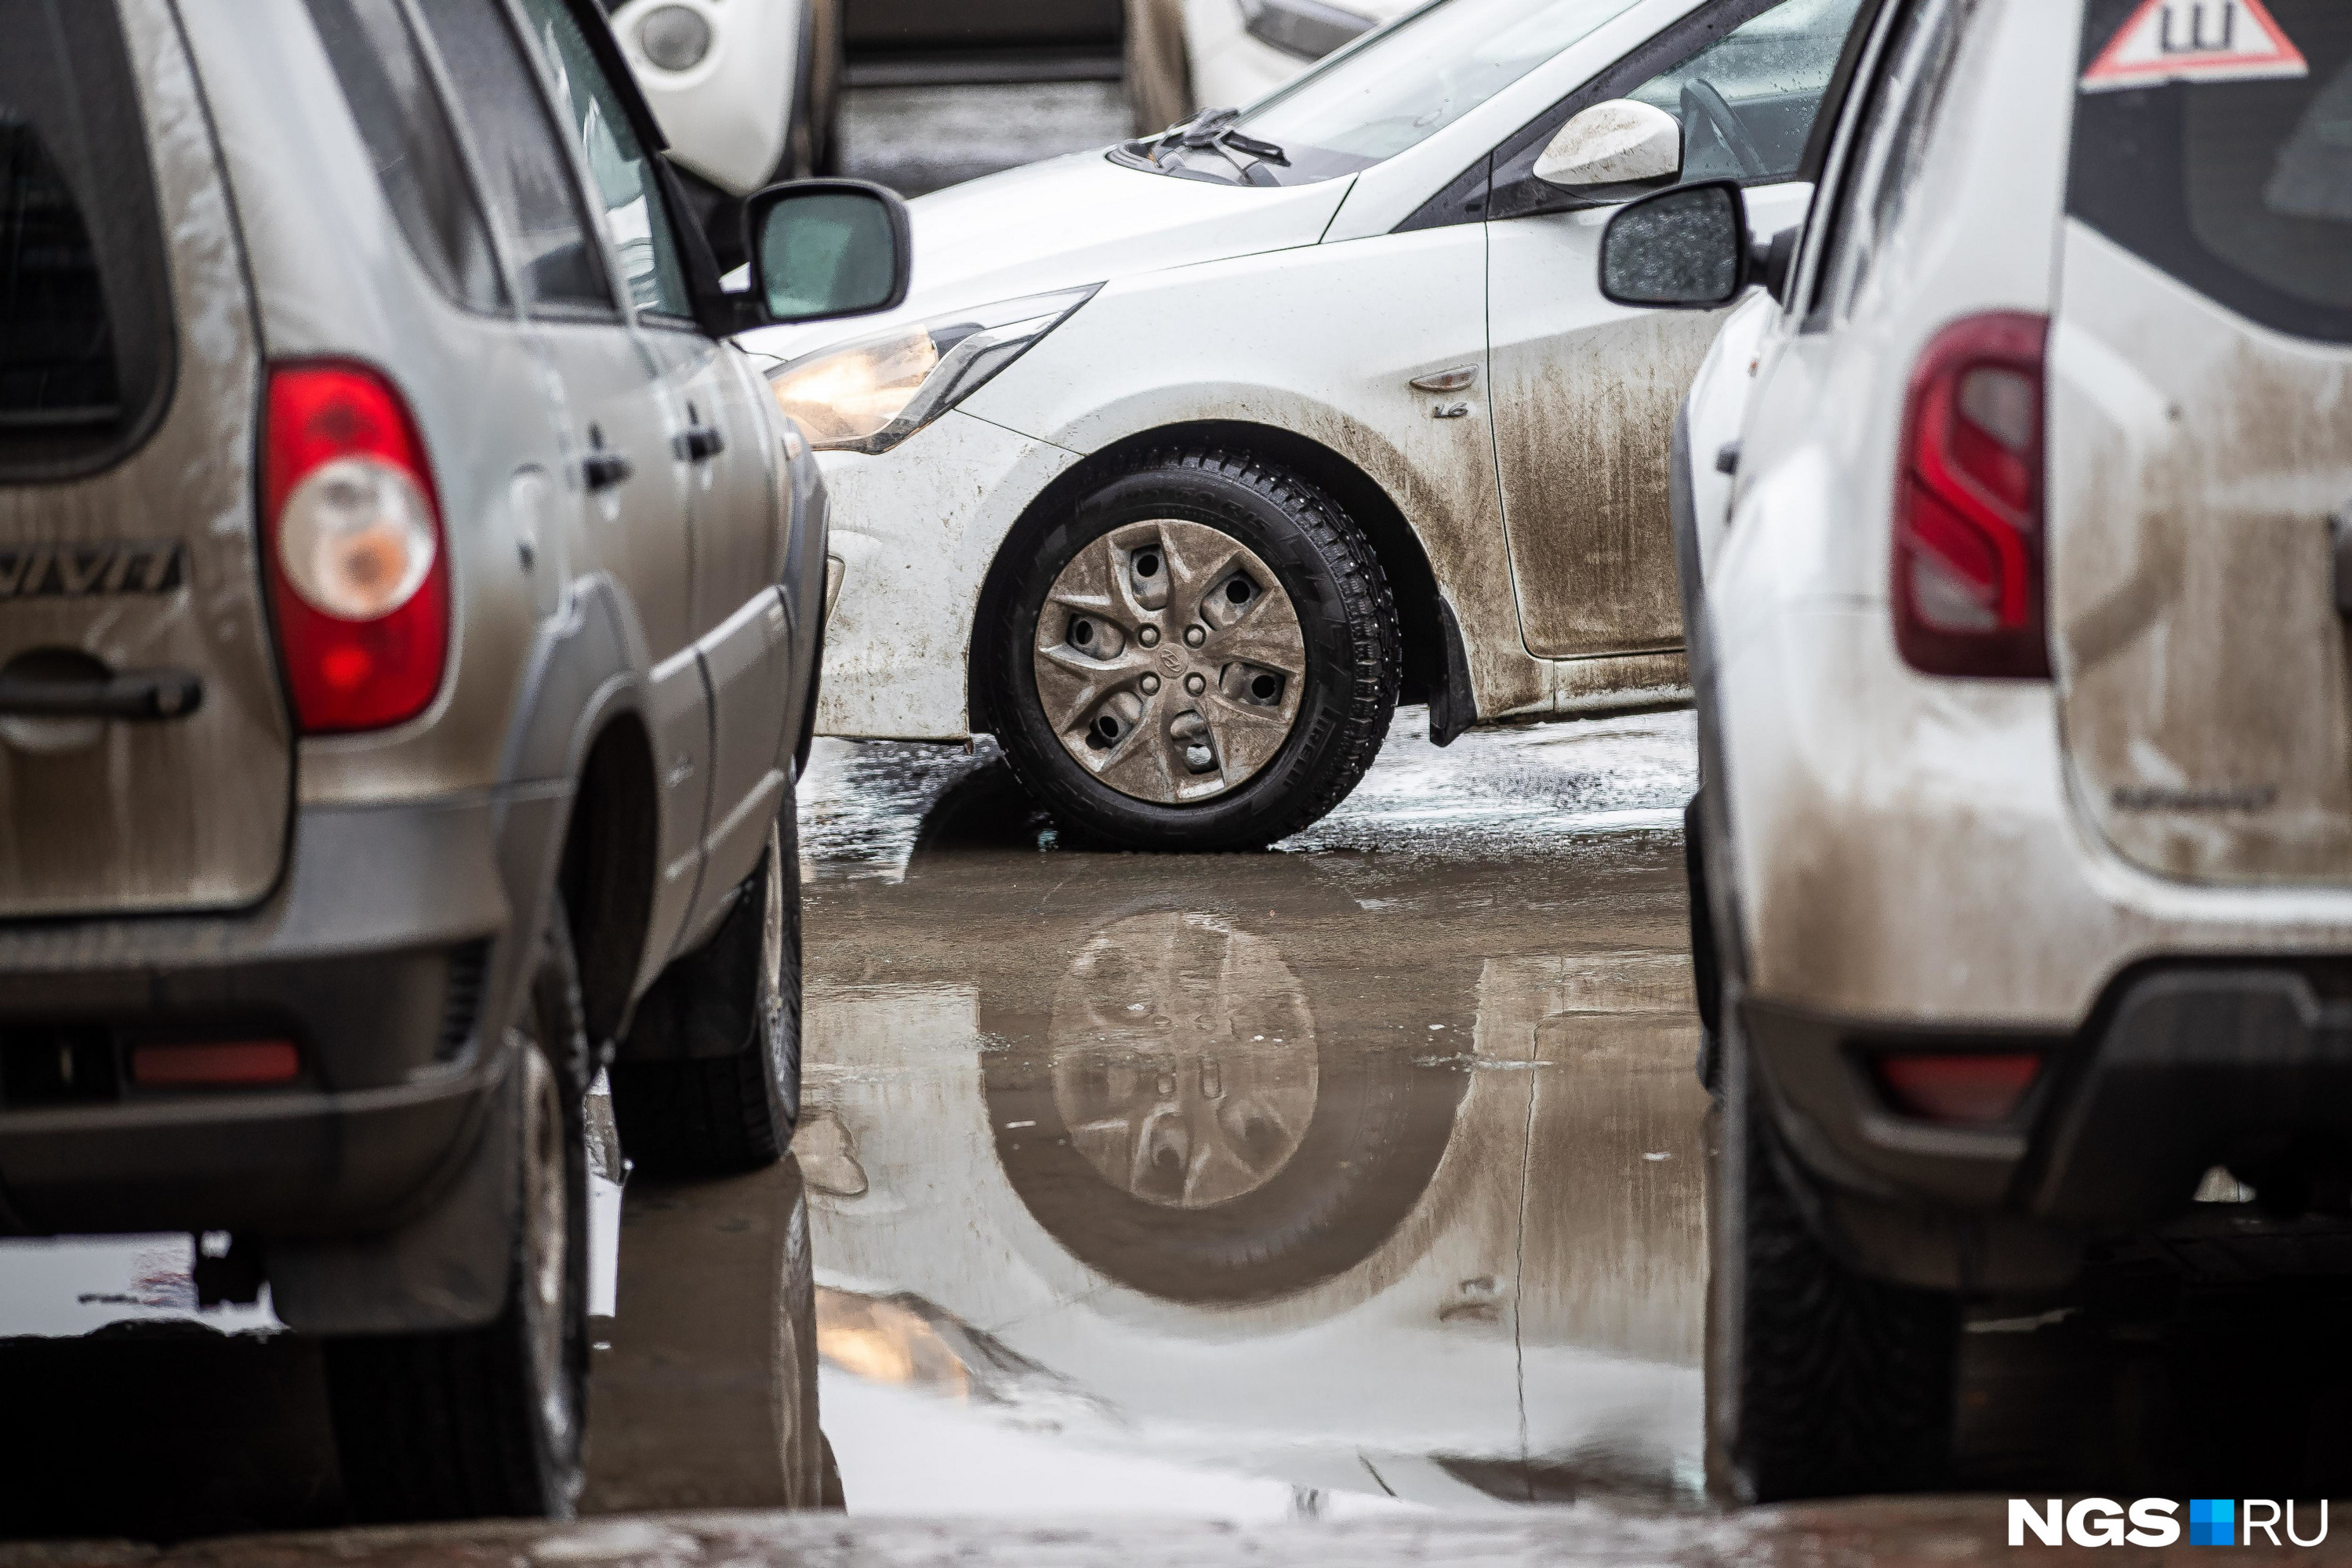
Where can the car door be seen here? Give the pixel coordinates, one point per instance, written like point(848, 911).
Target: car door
point(716, 443)
point(623, 470)
point(1584, 391)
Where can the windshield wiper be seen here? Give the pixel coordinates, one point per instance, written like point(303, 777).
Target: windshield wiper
point(1211, 130)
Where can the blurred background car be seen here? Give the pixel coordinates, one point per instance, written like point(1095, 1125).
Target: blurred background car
point(912, 42)
point(1237, 51)
point(749, 94)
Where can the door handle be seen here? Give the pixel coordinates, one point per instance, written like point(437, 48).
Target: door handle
point(137, 694)
point(603, 470)
point(699, 444)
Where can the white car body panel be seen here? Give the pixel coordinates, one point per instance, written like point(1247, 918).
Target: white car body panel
point(913, 552)
point(727, 116)
point(1906, 848)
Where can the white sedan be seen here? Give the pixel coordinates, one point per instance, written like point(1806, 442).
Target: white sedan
point(1237, 51)
point(1185, 462)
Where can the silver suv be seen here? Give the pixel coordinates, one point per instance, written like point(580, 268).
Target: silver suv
point(2023, 858)
point(410, 610)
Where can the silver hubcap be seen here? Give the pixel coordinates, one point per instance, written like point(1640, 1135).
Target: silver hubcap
point(1169, 662)
point(1199, 1076)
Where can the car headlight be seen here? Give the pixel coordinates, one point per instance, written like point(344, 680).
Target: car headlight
point(870, 395)
point(1309, 29)
point(674, 37)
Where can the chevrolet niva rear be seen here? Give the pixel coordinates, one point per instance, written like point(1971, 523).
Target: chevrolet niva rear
point(2023, 863)
point(410, 609)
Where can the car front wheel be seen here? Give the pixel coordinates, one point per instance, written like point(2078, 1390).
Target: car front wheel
point(1202, 656)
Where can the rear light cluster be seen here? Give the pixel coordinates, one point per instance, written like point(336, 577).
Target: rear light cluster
point(1976, 1088)
point(1968, 591)
point(358, 577)
point(216, 1064)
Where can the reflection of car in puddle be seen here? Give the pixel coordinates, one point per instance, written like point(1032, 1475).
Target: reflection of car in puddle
point(1191, 1164)
point(1190, 1141)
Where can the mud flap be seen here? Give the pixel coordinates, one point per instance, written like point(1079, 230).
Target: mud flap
point(445, 1269)
point(1453, 707)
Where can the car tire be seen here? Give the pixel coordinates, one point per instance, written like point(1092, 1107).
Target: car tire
point(726, 1102)
point(1345, 634)
point(489, 1422)
point(1824, 1383)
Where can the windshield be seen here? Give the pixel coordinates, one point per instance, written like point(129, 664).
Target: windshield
point(1395, 89)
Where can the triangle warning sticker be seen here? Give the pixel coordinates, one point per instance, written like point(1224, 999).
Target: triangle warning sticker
point(2196, 40)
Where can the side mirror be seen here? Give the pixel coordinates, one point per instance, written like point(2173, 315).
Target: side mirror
point(1613, 146)
point(822, 249)
point(1688, 249)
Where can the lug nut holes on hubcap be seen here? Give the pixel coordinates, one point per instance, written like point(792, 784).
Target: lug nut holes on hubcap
point(1125, 675)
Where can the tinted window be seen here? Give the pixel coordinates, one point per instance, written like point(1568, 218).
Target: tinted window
point(2241, 189)
point(1747, 100)
point(530, 190)
point(408, 136)
point(85, 316)
point(626, 185)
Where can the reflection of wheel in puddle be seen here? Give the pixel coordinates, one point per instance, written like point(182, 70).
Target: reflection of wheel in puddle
point(1198, 1082)
point(1186, 1128)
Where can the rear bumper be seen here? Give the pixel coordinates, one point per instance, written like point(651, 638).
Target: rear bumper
point(380, 957)
point(2184, 1065)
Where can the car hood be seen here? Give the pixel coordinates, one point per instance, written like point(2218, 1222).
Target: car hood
point(1068, 222)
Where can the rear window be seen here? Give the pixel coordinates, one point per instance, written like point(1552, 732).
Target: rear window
point(85, 315)
point(2240, 188)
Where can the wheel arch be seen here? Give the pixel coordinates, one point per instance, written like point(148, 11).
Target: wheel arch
point(607, 875)
point(1421, 618)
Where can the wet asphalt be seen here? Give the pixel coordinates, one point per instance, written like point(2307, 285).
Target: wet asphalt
point(1341, 1201)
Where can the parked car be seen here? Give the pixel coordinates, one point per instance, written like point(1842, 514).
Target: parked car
point(1240, 50)
point(409, 610)
point(2024, 844)
point(748, 93)
point(1185, 462)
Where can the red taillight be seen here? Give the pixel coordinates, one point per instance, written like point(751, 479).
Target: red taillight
point(1968, 510)
point(358, 577)
point(1976, 1089)
point(216, 1064)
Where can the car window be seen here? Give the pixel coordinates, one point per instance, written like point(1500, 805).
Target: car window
point(406, 128)
point(635, 219)
point(2241, 189)
point(85, 317)
point(527, 177)
point(1883, 166)
point(1747, 100)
